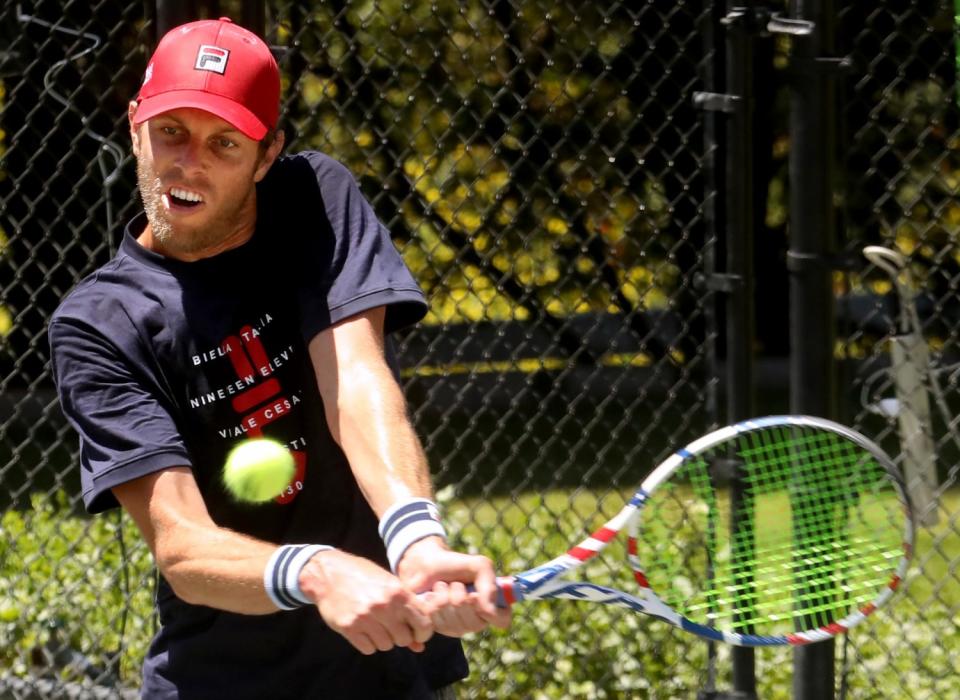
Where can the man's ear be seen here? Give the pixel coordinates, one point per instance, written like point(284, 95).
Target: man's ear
point(271, 154)
point(134, 133)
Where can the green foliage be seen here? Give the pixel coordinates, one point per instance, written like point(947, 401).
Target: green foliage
point(61, 574)
point(517, 142)
point(64, 581)
point(928, 222)
point(561, 649)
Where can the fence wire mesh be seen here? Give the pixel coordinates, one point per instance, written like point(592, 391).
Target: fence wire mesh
point(898, 337)
point(543, 171)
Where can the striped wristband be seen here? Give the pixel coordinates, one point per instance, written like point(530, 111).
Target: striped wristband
point(281, 577)
point(407, 522)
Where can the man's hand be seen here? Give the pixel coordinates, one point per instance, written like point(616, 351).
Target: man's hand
point(365, 603)
point(431, 568)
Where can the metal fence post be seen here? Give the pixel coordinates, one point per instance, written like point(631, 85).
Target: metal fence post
point(736, 213)
point(741, 210)
point(812, 231)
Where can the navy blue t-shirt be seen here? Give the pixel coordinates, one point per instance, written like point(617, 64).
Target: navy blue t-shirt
point(162, 363)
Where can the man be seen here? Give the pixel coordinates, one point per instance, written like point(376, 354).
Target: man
point(253, 298)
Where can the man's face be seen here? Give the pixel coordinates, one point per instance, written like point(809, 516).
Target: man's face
point(197, 176)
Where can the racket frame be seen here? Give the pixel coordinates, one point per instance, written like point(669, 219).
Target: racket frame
point(548, 580)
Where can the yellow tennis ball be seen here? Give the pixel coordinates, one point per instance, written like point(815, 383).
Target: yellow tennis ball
point(258, 470)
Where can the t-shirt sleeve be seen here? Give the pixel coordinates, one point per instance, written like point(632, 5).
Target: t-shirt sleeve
point(125, 431)
point(362, 267)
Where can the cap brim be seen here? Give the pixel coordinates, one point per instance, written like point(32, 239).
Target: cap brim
point(228, 110)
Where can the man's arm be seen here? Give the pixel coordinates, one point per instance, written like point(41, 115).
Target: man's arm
point(367, 415)
point(209, 565)
point(366, 411)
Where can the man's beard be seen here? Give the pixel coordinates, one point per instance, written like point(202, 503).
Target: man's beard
point(151, 193)
point(191, 241)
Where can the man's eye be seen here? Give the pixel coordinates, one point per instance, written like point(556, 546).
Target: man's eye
point(169, 130)
point(224, 142)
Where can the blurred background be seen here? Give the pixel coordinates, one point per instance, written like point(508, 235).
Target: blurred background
point(634, 221)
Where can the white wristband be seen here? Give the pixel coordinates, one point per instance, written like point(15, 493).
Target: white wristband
point(281, 577)
point(407, 522)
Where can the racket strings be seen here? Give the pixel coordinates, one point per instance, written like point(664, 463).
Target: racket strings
point(740, 594)
point(810, 536)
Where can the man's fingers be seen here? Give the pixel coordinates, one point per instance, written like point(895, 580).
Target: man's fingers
point(414, 615)
point(465, 605)
point(458, 594)
point(400, 633)
point(411, 625)
point(501, 618)
point(401, 623)
point(454, 610)
point(367, 604)
point(380, 634)
point(487, 592)
point(485, 596)
point(421, 626)
point(361, 642)
point(427, 565)
point(382, 638)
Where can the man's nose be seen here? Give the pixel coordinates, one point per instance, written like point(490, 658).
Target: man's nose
point(191, 155)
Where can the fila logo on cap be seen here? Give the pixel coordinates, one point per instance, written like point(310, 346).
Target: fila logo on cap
point(212, 58)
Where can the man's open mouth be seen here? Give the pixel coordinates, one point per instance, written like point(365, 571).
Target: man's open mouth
point(184, 198)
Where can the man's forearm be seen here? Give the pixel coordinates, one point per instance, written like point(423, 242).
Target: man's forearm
point(367, 413)
point(216, 567)
point(367, 416)
point(385, 454)
point(204, 563)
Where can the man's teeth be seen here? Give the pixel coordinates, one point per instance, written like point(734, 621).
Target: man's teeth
point(185, 195)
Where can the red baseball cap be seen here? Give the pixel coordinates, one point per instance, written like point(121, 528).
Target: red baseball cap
point(216, 66)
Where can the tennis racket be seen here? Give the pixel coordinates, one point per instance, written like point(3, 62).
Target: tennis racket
point(773, 531)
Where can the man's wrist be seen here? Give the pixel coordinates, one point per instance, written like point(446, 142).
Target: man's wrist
point(281, 576)
point(420, 552)
point(407, 522)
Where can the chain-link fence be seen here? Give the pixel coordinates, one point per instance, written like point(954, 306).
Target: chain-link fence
point(898, 337)
point(542, 167)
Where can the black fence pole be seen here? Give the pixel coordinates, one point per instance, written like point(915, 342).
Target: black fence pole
point(812, 233)
point(733, 216)
point(741, 25)
point(713, 73)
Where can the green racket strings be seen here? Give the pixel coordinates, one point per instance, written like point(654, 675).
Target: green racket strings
point(777, 530)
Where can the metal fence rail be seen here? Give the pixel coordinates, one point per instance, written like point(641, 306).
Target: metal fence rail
point(548, 177)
